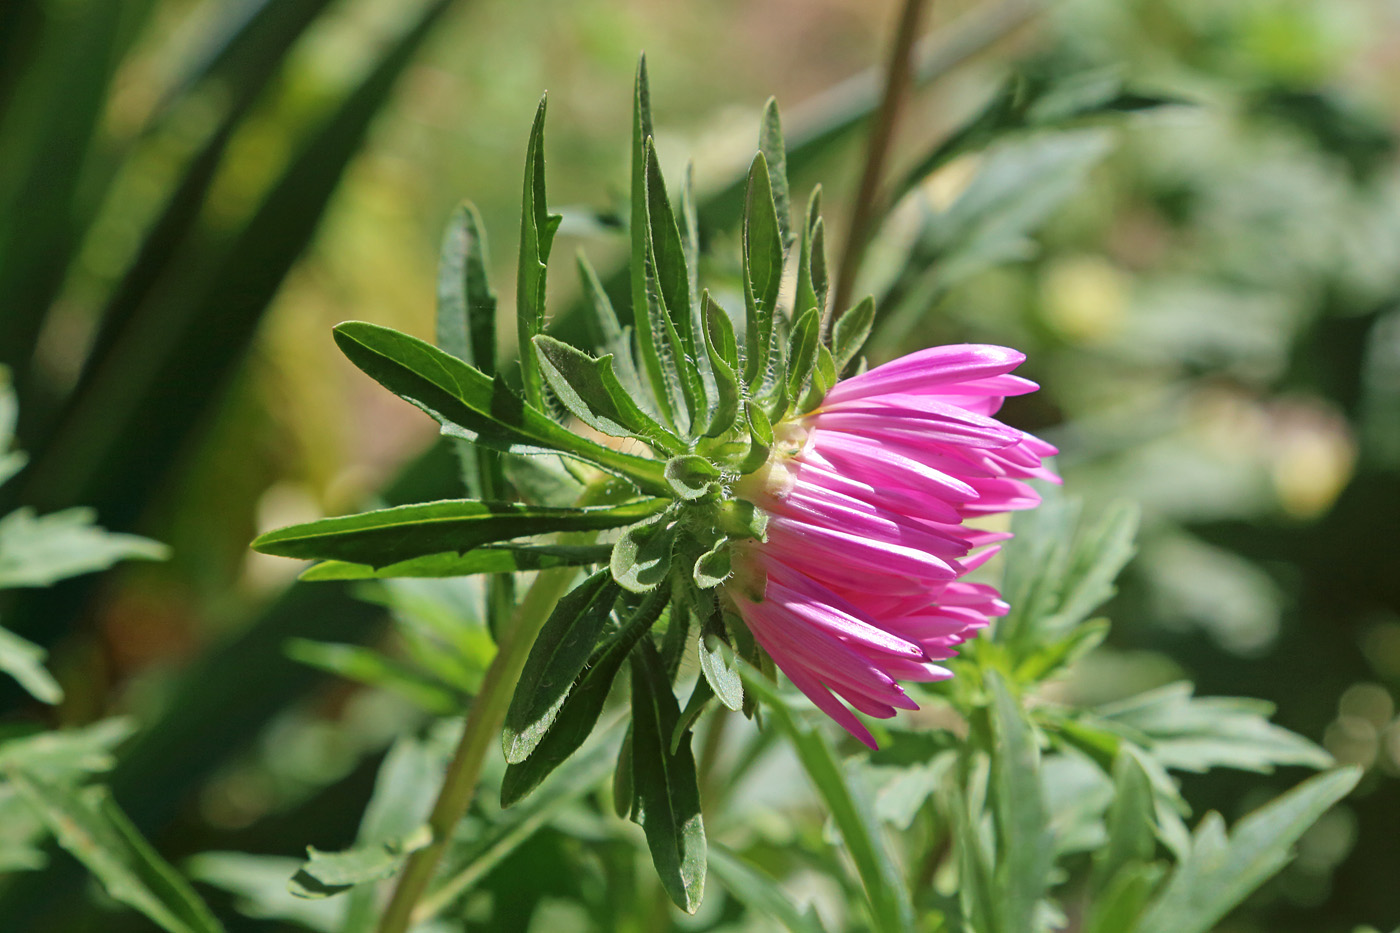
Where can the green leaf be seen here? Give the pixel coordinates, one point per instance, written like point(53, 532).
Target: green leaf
point(67, 755)
point(714, 566)
point(466, 312)
point(472, 405)
point(588, 388)
point(367, 666)
point(845, 800)
point(641, 558)
point(668, 302)
point(1222, 871)
point(387, 536)
point(328, 873)
point(560, 653)
point(1199, 733)
point(850, 331)
point(760, 891)
point(1025, 843)
point(1131, 821)
point(802, 352)
point(1121, 903)
point(763, 271)
point(38, 551)
point(770, 143)
point(582, 704)
point(668, 794)
point(723, 353)
point(811, 259)
point(24, 661)
point(496, 558)
point(717, 664)
point(608, 333)
point(89, 825)
point(760, 438)
point(259, 886)
point(537, 228)
point(692, 477)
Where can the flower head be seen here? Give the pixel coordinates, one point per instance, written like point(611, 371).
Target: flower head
point(858, 584)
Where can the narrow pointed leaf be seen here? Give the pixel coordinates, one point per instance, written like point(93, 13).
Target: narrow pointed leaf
point(1022, 820)
point(496, 558)
point(470, 404)
point(647, 337)
point(723, 354)
point(24, 661)
point(560, 652)
point(667, 791)
point(770, 143)
point(668, 302)
point(1131, 820)
point(367, 666)
point(608, 334)
point(802, 355)
point(582, 705)
point(537, 228)
point(763, 270)
point(590, 390)
point(810, 253)
point(466, 315)
point(760, 891)
point(849, 333)
point(328, 873)
point(387, 536)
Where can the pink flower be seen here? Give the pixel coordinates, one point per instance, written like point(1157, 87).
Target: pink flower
point(858, 585)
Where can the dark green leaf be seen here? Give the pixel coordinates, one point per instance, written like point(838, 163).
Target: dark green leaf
point(329, 873)
point(588, 388)
point(470, 404)
point(667, 792)
point(388, 536)
point(849, 333)
point(559, 654)
point(90, 826)
point(500, 558)
point(1222, 871)
point(763, 271)
point(662, 387)
point(700, 697)
point(641, 558)
point(38, 551)
point(537, 228)
point(582, 705)
point(624, 794)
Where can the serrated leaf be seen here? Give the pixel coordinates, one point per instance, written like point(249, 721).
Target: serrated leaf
point(641, 558)
point(472, 405)
point(692, 477)
point(89, 825)
point(588, 388)
point(845, 800)
point(41, 550)
point(1222, 871)
point(367, 666)
point(496, 558)
point(665, 783)
point(763, 271)
point(760, 891)
point(559, 654)
point(24, 661)
point(329, 873)
point(1025, 844)
point(582, 705)
point(66, 755)
point(388, 536)
point(537, 227)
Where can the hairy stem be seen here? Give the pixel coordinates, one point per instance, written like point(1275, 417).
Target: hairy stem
point(898, 77)
point(484, 721)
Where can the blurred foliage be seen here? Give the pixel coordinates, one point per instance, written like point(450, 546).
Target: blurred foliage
point(1208, 298)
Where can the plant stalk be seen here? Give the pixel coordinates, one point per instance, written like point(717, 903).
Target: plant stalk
point(898, 77)
point(484, 721)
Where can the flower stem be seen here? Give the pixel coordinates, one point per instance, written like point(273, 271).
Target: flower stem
point(898, 77)
point(484, 721)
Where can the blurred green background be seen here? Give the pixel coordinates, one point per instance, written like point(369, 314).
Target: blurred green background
point(192, 193)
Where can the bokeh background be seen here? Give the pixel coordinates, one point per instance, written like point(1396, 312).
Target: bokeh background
point(193, 191)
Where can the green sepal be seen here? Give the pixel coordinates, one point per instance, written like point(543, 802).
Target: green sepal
point(387, 536)
point(692, 477)
point(760, 438)
point(717, 664)
point(811, 260)
point(559, 654)
point(723, 353)
point(850, 332)
point(763, 270)
point(537, 228)
point(770, 143)
point(713, 566)
point(641, 558)
point(824, 376)
point(591, 391)
point(802, 351)
point(739, 518)
point(472, 405)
